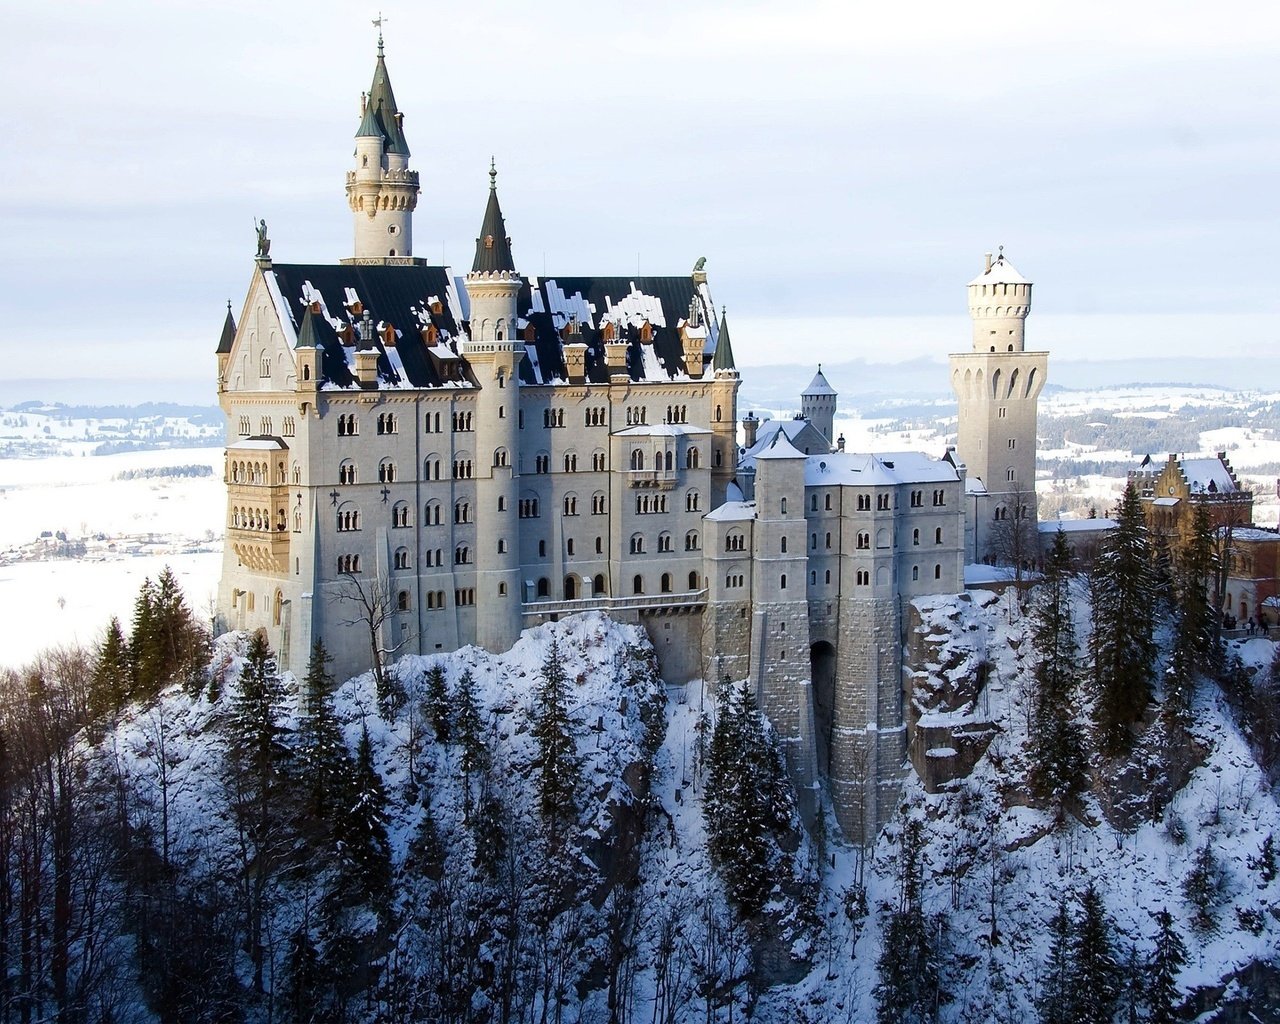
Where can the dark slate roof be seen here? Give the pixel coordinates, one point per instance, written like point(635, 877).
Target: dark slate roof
point(382, 101)
point(595, 296)
point(493, 247)
point(724, 351)
point(395, 295)
point(228, 333)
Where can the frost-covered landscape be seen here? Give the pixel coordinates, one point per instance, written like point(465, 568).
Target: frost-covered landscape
point(459, 890)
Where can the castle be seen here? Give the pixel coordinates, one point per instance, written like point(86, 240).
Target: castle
point(417, 461)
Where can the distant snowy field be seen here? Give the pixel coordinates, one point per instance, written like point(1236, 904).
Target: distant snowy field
point(47, 603)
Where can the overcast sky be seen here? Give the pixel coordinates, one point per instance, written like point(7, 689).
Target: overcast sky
point(837, 162)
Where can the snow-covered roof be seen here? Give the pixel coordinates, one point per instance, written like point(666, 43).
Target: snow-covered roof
point(884, 469)
point(733, 511)
point(780, 447)
point(1201, 473)
point(1077, 525)
point(819, 385)
point(1166, 502)
point(978, 573)
point(974, 485)
point(1001, 272)
point(1250, 534)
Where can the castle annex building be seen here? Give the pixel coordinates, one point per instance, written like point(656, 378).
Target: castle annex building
point(451, 459)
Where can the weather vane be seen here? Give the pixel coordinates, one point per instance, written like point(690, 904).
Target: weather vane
point(377, 23)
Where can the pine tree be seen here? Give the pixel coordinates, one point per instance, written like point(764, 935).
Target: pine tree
point(112, 673)
point(258, 757)
point(437, 702)
point(1201, 888)
point(1056, 1002)
point(144, 643)
point(361, 833)
point(1057, 748)
point(1123, 619)
point(909, 986)
point(323, 764)
point(1095, 974)
point(1195, 644)
point(1265, 862)
point(748, 802)
point(557, 751)
point(1167, 960)
point(307, 982)
point(468, 730)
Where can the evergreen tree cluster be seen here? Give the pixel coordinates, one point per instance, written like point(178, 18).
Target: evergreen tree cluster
point(748, 804)
point(166, 644)
point(1085, 980)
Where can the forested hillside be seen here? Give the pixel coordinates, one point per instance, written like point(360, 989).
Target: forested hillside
point(553, 834)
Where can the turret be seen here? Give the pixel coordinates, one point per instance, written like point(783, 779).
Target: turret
point(724, 419)
point(381, 190)
point(225, 341)
point(999, 301)
point(494, 353)
point(818, 405)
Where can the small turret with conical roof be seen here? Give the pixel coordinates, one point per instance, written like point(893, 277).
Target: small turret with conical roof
point(381, 191)
point(724, 420)
point(225, 341)
point(723, 359)
point(493, 247)
point(818, 405)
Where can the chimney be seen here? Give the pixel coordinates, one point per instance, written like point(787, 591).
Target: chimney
point(840, 443)
point(693, 344)
point(615, 357)
point(988, 270)
point(749, 427)
point(575, 362)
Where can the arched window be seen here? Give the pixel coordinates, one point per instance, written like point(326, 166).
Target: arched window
point(597, 585)
point(500, 457)
point(915, 538)
point(544, 587)
point(693, 580)
point(570, 504)
point(346, 472)
point(637, 459)
point(937, 535)
point(402, 601)
point(691, 459)
point(570, 588)
point(637, 584)
point(664, 583)
point(431, 516)
point(691, 540)
point(783, 545)
point(937, 572)
point(782, 582)
point(637, 544)
point(400, 515)
point(782, 506)
point(915, 572)
point(402, 558)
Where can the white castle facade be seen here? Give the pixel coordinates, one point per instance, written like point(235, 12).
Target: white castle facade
point(475, 455)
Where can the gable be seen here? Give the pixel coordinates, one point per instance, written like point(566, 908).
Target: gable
point(261, 357)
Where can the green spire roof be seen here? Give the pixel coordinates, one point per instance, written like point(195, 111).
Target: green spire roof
point(493, 247)
point(724, 351)
point(307, 332)
point(228, 332)
point(381, 115)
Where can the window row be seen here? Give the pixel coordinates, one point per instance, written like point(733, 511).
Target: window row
point(256, 519)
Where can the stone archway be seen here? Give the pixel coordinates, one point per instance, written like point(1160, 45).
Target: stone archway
point(822, 666)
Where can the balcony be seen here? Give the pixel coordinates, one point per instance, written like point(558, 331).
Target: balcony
point(689, 600)
point(664, 479)
point(261, 550)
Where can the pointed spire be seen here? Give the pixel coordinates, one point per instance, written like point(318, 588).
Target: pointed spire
point(228, 332)
point(307, 331)
point(493, 247)
point(381, 109)
point(369, 126)
point(724, 351)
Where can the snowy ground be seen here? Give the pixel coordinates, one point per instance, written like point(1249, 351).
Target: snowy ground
point(69, 601)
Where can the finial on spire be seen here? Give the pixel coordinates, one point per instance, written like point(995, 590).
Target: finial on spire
point(228, 305)
point(493, 173)
point(1001, 256)
point(377, 23)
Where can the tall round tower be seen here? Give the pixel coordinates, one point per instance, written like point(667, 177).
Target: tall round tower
point(494, 353)
point(997, 386)
point(381, 191)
